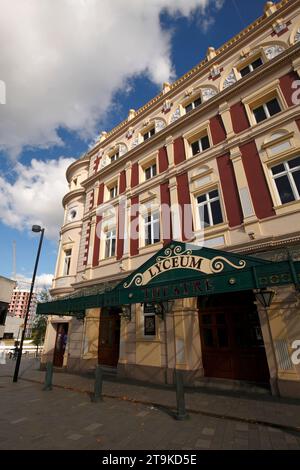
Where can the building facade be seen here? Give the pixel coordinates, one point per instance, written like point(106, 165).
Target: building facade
point(221, 148)
point(17, 311)
point(6, 289)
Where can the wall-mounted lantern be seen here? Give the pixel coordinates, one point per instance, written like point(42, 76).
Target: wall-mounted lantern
point(265, 297)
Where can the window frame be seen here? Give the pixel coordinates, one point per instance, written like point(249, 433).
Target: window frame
point(150, 167)
point(111, 252)
point(265, 94)
point(208, 202)
point(266, 110)
point(287, 172)
point(67, 262)
point(151, 223)
point(200, 144)
point(249, 63)
point(192, 102)
point(196, 133)
point(113, 189)
point(148, 132)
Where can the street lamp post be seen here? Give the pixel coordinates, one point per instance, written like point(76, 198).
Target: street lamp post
point(36, 229)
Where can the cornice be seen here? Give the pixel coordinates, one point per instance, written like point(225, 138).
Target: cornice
point(71, 194)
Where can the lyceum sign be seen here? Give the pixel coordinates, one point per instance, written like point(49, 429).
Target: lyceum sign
point(174, 258)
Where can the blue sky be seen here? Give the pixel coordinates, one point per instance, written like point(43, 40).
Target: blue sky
point(48, 122)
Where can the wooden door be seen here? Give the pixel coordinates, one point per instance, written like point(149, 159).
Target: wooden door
point(231, 340)
point(109, 337)
point(60, 344)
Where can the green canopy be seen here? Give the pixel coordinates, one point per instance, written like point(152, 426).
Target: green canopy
point(181, 270)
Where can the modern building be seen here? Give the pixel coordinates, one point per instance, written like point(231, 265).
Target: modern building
point(6, 290)
point(17, 311)
point(212, 286)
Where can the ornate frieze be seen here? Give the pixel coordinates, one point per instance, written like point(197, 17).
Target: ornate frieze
point(175, 115)
point(273, 51)
point(230, 80)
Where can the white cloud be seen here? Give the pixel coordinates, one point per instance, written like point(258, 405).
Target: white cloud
point(42, 281)
point(35, 196)
point(62, 61)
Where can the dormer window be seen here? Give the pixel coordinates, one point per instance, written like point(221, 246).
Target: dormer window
point(251, 67)
point(200, 145)
point(150, 171)
point(193, 104)
point(149, 133)
point(114, 157)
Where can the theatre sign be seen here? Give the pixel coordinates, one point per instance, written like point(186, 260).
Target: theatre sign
point(182, 270)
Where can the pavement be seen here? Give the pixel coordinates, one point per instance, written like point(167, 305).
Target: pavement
point(136, 415)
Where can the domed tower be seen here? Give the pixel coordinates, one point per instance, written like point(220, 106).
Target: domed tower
point(70, 234)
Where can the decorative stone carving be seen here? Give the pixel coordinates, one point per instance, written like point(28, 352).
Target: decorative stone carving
point(188, 92)
point(102, 136)
point(135, 142)
point(215, 71)
point(273, 51)
point(104, 162)
point(166, 106)
point(159, 125)
point(211, 53)
point(166, 87)
point(297, 35)
point(208, 93)
point(131, 114)
point(279, 26)
point(230, 80)
point(129, 133)
point(175, 115)
point(122, 149)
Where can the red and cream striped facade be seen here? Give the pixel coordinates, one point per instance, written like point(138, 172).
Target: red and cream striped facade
point(238, 163)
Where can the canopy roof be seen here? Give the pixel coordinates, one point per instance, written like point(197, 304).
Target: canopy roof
point(181, 270)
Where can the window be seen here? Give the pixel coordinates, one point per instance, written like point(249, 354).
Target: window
point(250, 67)
point(266, 110)
point(150, 171)
point(113, 191)
point(287, 179)
point(114, 157)
point(149, 133)
point(67, 262)
point(194, 104)
point(209, 208)
point(110, 243)
point(200, 145)
point(149, 320)
point(152, 229)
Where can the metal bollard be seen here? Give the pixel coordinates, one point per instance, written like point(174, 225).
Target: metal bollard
point(98, 385)
point(48, 377)
point(181, 411)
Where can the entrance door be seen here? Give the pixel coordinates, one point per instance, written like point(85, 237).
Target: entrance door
point(60, 344)
point(231, 339)
point(109, 337)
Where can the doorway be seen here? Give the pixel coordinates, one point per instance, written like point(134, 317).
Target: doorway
point(231, 338)
point(109, 337)
point(60, 344)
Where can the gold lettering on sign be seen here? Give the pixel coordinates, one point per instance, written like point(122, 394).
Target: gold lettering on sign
point(187, 261)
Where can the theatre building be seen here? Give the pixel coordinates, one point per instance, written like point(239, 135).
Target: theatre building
point(210, 287)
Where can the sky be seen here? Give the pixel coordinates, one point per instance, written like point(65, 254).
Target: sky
point(71, 69)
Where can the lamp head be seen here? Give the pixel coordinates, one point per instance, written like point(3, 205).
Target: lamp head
point(36, 228)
